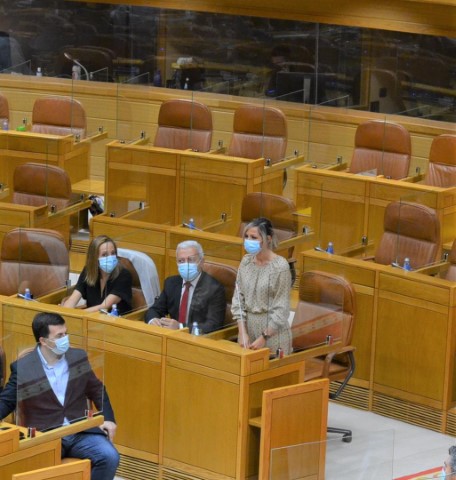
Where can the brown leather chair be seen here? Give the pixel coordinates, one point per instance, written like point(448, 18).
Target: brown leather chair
point(411, 230)
point(280, 210)
point(226, 275)
point(33, 258)
point(325, 314)
point(184, 124)
point(4, 108)
point(59, 116)
point(383, 146)
point(37, 184)
point(259, 132)
point(441, 170)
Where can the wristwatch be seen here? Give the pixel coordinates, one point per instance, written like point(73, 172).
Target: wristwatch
point(265, 335)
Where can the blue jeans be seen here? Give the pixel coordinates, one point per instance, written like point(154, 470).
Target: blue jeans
point(97, 448)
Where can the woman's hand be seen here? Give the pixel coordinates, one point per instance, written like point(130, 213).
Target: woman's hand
point(260, 342)
point(243, 339)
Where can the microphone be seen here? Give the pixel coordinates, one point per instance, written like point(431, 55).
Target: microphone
point(76, 62)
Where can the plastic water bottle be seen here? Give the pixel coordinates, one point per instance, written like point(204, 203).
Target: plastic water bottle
point(407, 264)
point(330, 248)
point(27, 294)
point(191, 223)
point(195, 329)
point(114, 311)
point(39, 73)
point(186, 83)
point(5, 125)
point(76, 72)
point(157, 79)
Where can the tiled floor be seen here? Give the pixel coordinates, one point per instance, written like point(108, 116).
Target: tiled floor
point(381, 449)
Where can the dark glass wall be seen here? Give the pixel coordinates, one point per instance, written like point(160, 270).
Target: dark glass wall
point(384, 71)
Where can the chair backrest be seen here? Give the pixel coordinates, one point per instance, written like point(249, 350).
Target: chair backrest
point(226, 275)
point(383, 146)
point(145, 281)
point(38, 184)
point(4, 108)
point(33, 258)
point(280, 210)
point(259, 132)
point(410, 230)
point(184, 124)
point(59, 116)
point(326, 306)
point(441, 170)
point(450, 274)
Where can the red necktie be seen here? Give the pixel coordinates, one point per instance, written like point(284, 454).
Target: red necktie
point(184, 303)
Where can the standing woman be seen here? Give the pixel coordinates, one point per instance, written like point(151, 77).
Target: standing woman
point(104, 281)
point(261, 301)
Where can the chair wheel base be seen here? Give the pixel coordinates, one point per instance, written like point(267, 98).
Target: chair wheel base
point(346, 434)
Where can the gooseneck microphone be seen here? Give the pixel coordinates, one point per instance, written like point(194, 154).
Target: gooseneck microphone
point(76, 62)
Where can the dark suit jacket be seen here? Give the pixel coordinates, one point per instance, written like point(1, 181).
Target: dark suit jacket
point(29, 388)
point(207, 307)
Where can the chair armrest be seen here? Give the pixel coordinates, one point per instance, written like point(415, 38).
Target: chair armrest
point(330, 356)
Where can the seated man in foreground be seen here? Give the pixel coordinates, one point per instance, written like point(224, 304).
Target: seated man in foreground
point(191, 296)
point(51, 386)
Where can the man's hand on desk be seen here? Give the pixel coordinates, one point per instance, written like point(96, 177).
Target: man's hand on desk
point(110, 429)
point(166, 323)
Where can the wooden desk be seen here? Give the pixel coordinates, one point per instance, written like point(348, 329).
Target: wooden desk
point(405, 340)
point(353, 206)
point(206, 187)
point(44, 450)
point(17, 148)
point(196, 397)
point(20, 456)
point(13, 215)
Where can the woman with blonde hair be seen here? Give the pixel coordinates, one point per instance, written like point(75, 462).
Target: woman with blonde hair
point(261, 300)
point(103, 282)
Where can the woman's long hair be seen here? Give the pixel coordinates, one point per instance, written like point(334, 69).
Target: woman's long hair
point(92, 268)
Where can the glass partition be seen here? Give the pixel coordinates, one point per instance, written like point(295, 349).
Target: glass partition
point(294, 61)
point(128, 129)
point(416, 229)
point(36, 263)
point(77, 379)
point(368, 456)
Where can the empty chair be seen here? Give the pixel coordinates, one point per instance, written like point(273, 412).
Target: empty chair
point(145, 281)
point(441, 170)
point(33, 258)
point(184, 124)
point(259, 132)
point(226, 275)
point(411, 230)
point(59, 116)
point(4, 109)
point(382, 146)
point(280, 210)
point(326, 310)
point(37, 184)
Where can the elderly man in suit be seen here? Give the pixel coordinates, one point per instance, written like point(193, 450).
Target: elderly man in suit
point(51, 386)
point(191, 296)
